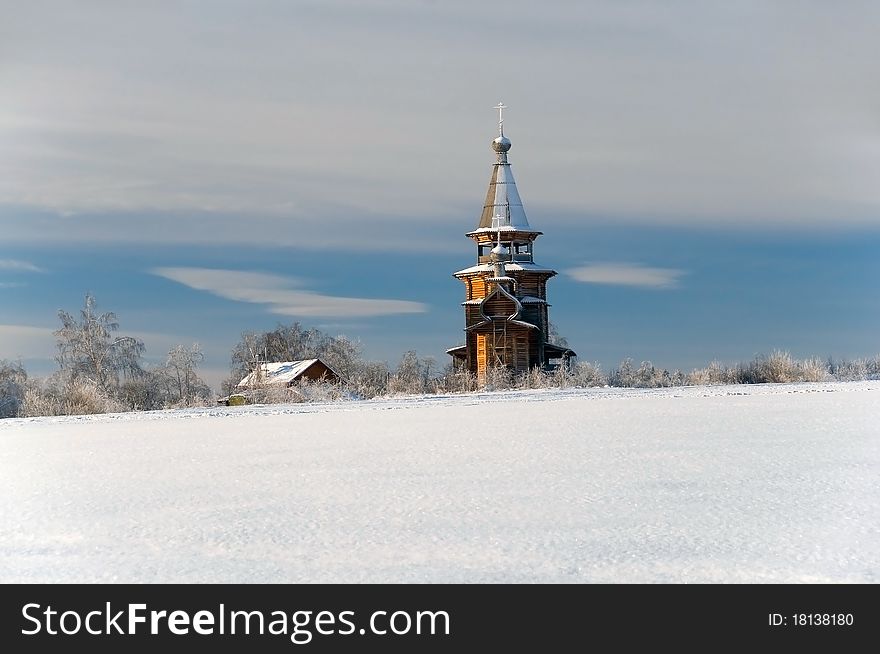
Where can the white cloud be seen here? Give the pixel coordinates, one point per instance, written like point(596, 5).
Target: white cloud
point(283, 295)
point(340, 112)
point(627, 274)
point(19, 266)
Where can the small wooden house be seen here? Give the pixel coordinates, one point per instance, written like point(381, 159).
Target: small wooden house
point(287, 373)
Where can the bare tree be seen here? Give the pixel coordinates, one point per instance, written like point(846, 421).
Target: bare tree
point(88, 348)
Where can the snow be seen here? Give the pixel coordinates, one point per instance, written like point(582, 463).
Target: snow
point(770, 483)
point(277, 373)
point(509, 266)
point(504, 228)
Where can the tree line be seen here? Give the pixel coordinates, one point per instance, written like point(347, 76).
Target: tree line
point(100, 371)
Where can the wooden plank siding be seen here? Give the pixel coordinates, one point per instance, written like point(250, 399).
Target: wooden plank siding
point(476, 288)
point(532, 313)
point(499, 305)
point(482, 357)
point(529, 285)
point(521, 352)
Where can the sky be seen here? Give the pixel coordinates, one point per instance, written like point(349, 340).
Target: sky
point(706, 174)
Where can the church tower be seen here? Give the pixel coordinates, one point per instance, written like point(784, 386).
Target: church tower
point(505, 307)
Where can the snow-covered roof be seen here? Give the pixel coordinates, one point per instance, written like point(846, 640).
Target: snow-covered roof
point(503, 228)
point(527, 299)
point(489, 321)
point(503, 207)
point(508, 266)
point(282, 372)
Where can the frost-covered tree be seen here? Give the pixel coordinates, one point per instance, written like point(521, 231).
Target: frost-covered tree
point(413, 374)
point(369, 379)
point(13, 382)
point(180, 374)
point(554, 337)
point(146, 391)
point(585, 373)
point(623, 375)
point(88, 347)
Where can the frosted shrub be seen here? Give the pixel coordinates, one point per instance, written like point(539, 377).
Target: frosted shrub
point(36, 402)
point(779, 367)
point(303, 390)
point(367, 380)
point(193, 402)
point(456, 380)
point(280, 394)
point(872, 368)
point(79, 396)
point(812, 370)
point(646, 376)
point(587, 374)
point(776, 368)
point(404, 385)
point(142, 393)
point(624, 376)
point(536, 378)
point(82, 396)
point(712, 375)
point(499, 378)
point(699, 377)
point(850, 370)
point(413, 375)
point(320, 391)
point(561, 377)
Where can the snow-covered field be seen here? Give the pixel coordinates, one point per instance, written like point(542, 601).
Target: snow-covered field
point(720, 484)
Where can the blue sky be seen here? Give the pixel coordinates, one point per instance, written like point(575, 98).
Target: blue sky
point(706, 174)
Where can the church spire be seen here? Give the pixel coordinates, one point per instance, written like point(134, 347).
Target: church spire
point(503, 208)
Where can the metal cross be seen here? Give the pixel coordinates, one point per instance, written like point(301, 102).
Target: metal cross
point(500, 107)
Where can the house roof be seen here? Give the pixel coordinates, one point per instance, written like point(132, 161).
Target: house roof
point(282, 372)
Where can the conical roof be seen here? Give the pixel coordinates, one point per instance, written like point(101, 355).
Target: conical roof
point(503, 208)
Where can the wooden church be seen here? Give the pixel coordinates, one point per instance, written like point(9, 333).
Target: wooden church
point(505, 307)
